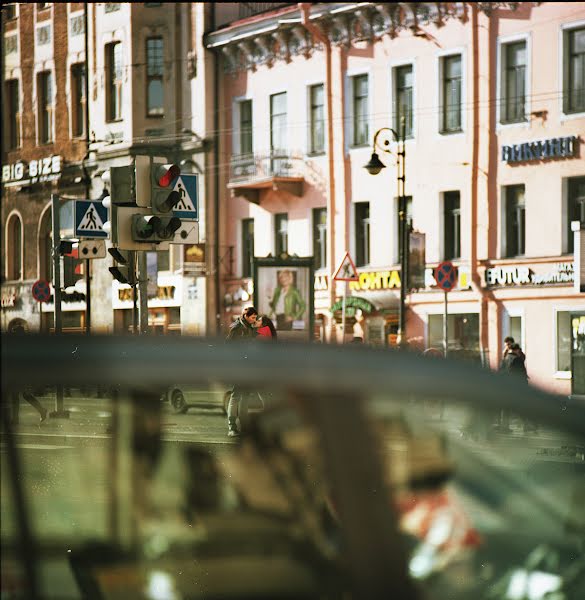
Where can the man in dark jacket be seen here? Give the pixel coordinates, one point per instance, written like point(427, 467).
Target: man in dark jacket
point(241, 329)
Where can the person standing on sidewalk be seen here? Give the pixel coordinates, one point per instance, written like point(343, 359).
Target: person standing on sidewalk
point(27, 394)
point(242, 329)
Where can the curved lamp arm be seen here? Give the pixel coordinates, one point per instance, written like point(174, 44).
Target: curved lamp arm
point(386, 142)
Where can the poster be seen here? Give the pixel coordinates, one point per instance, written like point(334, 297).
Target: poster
point(283, 293)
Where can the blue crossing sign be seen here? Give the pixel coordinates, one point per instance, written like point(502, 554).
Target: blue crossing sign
point(89, 219)
point(188, 188)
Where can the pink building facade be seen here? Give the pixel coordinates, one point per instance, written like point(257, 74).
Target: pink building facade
point(493, 105)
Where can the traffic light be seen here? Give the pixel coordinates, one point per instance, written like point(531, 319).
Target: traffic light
point(123, 271)
point(162, 197)
point(152, 228)
point(160, 225)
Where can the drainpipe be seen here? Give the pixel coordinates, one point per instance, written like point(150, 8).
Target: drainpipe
point(216, 221)
point(318, 34)
point(475, 172)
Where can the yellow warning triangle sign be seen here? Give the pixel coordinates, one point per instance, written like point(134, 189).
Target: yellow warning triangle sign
point(346, 270)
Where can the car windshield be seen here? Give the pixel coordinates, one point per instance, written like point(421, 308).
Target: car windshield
point(359, 473)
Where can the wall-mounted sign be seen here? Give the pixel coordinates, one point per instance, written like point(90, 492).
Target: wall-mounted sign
point(564, 147)
point(9, 298)
point(21, 173)
point(376, 280)
point(354, 302)
point(515, 275)
point(163, 292)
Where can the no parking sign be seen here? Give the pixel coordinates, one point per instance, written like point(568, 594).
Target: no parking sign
point(446, 275)
point(41, 291)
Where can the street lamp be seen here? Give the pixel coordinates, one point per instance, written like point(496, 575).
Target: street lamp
point(374, 166)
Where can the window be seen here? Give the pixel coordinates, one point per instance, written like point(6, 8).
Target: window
point(576, 207)
point(362, 234)
point(281, 234)
point(320, 237)
point(452, 212)
point(154, 77)
point(44, 35)
point(564, 341)
point(463, 331)
point(408, 200)
point(278, 140)
point(451, 116)
point(515, 220)
point(43, 5)
point(10, 11)
point(13, 107)
point(403, 102)
point(246, 138)
point(78, 100)
point(11, 44)
point(317, 108)
point(14, 248)
point(360, 110)
point(515, 330)
point(574, 71)
point(45, 106)
point(112, 7)
point(77, 25)
point(514, 82)
point(113, 81)
point(247, 247)
point(45, 247)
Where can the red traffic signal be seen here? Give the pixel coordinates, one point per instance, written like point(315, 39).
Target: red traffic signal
point(166, 174)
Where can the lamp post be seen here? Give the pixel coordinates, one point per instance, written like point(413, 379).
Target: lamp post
point(374, 166)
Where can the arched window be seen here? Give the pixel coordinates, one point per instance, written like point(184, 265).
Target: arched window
point(14, 257)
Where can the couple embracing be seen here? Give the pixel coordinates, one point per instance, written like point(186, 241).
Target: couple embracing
point(249, 325)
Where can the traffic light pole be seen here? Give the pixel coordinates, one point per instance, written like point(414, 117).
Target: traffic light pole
point(143, 286)
point(59, 411)
point(55, 205)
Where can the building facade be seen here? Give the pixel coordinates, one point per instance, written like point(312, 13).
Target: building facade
point(85, 91)
point(491, 98)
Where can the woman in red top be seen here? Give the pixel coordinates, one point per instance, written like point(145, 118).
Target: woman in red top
point(265, 329)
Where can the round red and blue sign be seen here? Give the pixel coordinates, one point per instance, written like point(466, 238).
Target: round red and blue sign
point(446, 275)
point(41, 291)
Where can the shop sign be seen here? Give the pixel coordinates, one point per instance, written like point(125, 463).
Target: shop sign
point(21, 173)
point(321, 283)
point(525, 275)
point(376, 280)
point(354, 302)
point(9, 298)
point(564, 147)
point(163, 292)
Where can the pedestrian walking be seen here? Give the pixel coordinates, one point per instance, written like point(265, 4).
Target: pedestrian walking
point(242, 329)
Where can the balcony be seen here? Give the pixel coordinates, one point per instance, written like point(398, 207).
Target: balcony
point(278, 171)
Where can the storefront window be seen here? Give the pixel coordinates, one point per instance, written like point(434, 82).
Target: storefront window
point(463, 332)
point(564, 341)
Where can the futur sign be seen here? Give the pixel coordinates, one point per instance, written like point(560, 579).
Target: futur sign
point(564, 147)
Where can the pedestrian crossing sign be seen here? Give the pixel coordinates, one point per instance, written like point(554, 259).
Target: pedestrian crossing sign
point(89, 219)
point(188, 188)
point(346, 270)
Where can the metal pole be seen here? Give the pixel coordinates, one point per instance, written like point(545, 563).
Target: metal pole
point(445, 328)
point(132, 265)
point(143, 287)
point(55, 205)
point(87, 298)
point(343, 314)
point(404, 244)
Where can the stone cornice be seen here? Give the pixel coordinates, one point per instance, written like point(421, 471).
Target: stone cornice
point(245, 45)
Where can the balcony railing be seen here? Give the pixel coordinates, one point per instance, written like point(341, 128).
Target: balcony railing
point(247, 167)
point(248, 9)
point(279, 169)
